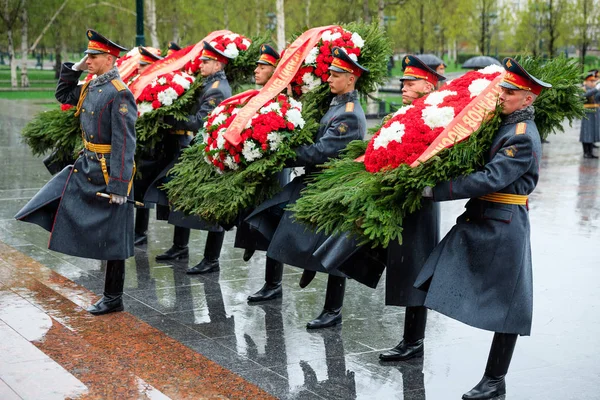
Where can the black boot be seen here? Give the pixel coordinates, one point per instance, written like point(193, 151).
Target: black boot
point(142, 218)
point(332, 310)
point(492, 384)
point(112, 300)
point(272, 287)
point(588, 151)
point(411, 345)
point(179, 250)
point(212, 251)
point(306, 278)
point(248, 253)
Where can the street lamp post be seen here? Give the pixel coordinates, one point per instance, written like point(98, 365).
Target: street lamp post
point(139, 37)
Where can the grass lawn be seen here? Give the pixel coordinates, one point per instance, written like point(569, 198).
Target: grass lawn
point(46, 96)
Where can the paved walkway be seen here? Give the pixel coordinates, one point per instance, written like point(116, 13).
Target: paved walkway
point(196, 337)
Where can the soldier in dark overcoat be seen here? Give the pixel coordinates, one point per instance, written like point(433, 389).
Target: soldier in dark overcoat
point(81, 223)
point(420, 235)
point(481, 273)
point(590, 125)
point(245, 236)
point(151, 161)
point(215, 89)
point(294, 243)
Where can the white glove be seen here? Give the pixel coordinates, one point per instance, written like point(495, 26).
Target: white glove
point(427, 192)
point(598, 86)
point(116, 199)
point(80, 66)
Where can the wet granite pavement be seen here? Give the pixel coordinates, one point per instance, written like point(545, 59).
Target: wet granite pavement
point(196, 336)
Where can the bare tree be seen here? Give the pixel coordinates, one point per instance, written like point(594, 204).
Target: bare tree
point(366, 13)
point(9, 13)
point(24, 47)
point(280, 25)
point(150, 6)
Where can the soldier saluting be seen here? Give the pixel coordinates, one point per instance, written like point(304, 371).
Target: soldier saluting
point(481, 272)
point(81, 223)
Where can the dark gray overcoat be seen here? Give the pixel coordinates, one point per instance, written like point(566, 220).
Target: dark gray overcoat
point(480, 273)
point(291, 242)
point(590, 125)
point(215, 89)
point(81, 223)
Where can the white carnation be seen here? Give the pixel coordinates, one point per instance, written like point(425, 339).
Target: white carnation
point(436, 98)
point(219, 119)
point(295, 117)
point(491, 69)
point(204, 135)
point(311, 58)
point(231, 36)
point(162, 81)
point(133, 52)
point(250, 151)
point(310, 82)
point(246, 42)
point(478, 86)
point(221, 138)
point(145, 107)
point(357, 40)
point(392, 133)
point(335, 36)
point(271, 107)
point(295, 103)
point(326, 36)
point(403, 110)
point(182, 81)
point(230, 163)
point(435, 117)
point(235, 111)
point(274, 140)
point(213, 43)
point(231, 51)
point(217, 110)
point(167, 96)
point(353, 57)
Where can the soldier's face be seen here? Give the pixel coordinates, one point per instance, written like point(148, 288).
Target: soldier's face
point(341, 82)
point(99, 63)
point(513, 100)
point(441, 69)
point(262, 73)
point(209, 67)
point(412, 90)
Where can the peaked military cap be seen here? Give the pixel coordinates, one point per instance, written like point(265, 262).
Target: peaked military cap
point(415, 69)
point(342, 62)
point(147, 56)
point(517, 78)
point(172, 48)
point(268, 55)
point(98, 44)
point(591, 75)
point(210, 53)
point(595, 72)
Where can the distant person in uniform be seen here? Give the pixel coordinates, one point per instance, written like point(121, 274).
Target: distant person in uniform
point(81, 223)
point(590, 124)
point(481, 272)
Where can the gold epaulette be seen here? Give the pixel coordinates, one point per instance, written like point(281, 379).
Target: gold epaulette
point(215, 85)
point(521, 128)
point(118, 84)
point(350, 106)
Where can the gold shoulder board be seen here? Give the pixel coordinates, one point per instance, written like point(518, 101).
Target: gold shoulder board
point(521, 128)
point(120, 86)
point(215, 85)
point(349, 106)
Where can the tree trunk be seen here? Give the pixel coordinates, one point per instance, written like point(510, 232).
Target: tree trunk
point(366, 13)
point(175, 25)
point(150, 7)
point(583, 49)
point(280, 26)
point(24, 47)
point(483, 27)
point(380, 13)
point(422, 28)
point(11, 57)
point(257, 18)
point(307, 18)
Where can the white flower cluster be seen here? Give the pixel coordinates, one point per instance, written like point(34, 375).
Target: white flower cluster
point(294, 115)
point(219, 119)
point(167, 96)
point(274, 139)
point(392, 133)
point(250, 151)
point(311, 82)
point(180, 79)
point(162, 80)
point(437, 117)
point(330, 37)
point(145, 107)
point(246, 42)
point(357, 40)
point(436, 98)
point(311, 58)
point(403, 110)
point(478, 86)
point(230, 163)
point(231, 50)
point(274, 106)
point(491, 69)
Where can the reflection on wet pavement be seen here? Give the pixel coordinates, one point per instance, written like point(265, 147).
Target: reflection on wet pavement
point(173, 318)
